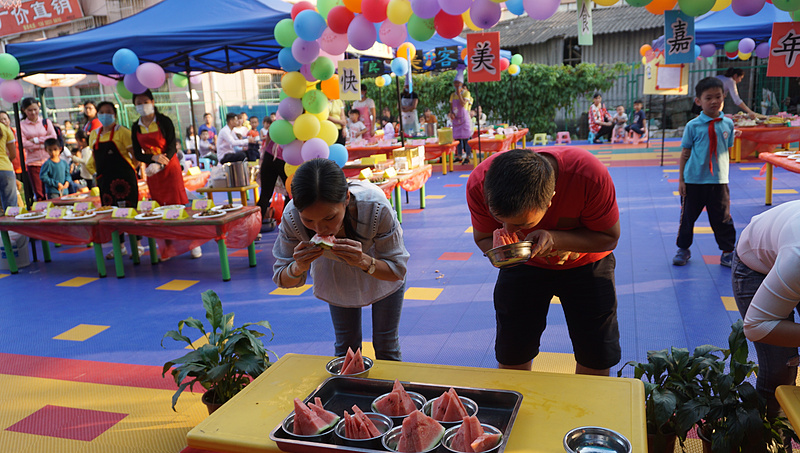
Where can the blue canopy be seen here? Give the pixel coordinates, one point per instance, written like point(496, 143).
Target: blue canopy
point(180, 35)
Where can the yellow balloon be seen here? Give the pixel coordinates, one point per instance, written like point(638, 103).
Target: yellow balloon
point(499, 1)
point(605, 2)
point(644, 60)
point(323, 115)
point(468, 21)
point(380, 81)
point(398, 11)
point(513, 69)
point(720, 5)
point(306, 127)
point(290, 169)
point(744, 56)
point(405, 49)
point(328, 132)
point(294, 84)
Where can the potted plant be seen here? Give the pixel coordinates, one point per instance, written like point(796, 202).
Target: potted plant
point(232, 357)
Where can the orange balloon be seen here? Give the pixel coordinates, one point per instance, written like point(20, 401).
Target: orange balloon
point(402, 51)
point(330, 87)
point(288, 184)
point(463, 54)
point(659, 6)
point(353, 5)
point(643, 50)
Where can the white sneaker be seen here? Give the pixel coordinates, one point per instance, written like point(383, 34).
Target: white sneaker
point(110, 255)
point(140, 249)
point(197, 252)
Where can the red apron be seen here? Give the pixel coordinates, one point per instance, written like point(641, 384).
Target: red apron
point(166, 187)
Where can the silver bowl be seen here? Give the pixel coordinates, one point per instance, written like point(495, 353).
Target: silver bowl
point(470, 405)
point(334, 367)
point(288, 426)
point(391, 438)
point(510, 254)
point(580, 439)
point(447, 439)
point(382, 422)
point(419, 402)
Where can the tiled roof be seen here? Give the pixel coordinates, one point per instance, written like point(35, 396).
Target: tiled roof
point(523, 30)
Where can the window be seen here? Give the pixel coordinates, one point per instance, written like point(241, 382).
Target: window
point(269, 87)
point(89, 93)
point(572, 52)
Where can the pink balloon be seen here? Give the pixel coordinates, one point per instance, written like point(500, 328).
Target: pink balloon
point(306, 71)
point(107, 81)
point(762, 50)
point(425, 9)
point(312, 149)
point(150, 75)
point(290, 108)
point(747, 7)
point(485, 13)
point(194, 77)
point(540, 9)
point(361, 33)
point(333, 43)
point(133, 85)
point(305, 51)
point(392, 34)
point(455, 7)
point(292, 153)
point(11, 91)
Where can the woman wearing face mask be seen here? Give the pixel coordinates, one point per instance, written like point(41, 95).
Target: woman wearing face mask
point(34, 133)
point(112, 151)
point(154, 143)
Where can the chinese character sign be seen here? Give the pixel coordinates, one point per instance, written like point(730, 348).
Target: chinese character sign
point(446, 58)
point(37, 14)
point(416, 62)
point(349, 80)
point(585, 35)
point(785, 50)
point(372, 68)
point(483, 57)
point(678, 37)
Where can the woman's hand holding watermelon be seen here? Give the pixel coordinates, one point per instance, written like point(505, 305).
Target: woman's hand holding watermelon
point(304, 254)
point(349, 251)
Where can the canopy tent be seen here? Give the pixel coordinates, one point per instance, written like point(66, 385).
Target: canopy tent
point(179, 35)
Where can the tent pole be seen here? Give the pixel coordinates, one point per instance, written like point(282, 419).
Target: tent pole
point(400, 108)
point(478, 121)
point(663, 128)
point(191, 112)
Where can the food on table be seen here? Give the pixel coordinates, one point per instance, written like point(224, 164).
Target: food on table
point(359, 426)
point(81, 213)
point(325, 242)
point(313, 418)
point(377, 179)
point(227, 206)
point(448, 407)
point(150, 214)
point(503, 237)
point(396, 404)
point(419, 433)
point(470, 437)
point(104, 208)
point(208, 213)
point(353, 362)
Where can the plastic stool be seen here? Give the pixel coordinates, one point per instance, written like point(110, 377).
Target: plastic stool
point(618, 138)
point(539, 139)
point(205, 163)
point(563, 137)
point(191, 158)
point(633, 138)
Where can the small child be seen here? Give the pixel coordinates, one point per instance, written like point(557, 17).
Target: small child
point(355, 127)
point(637, 124)
point(254, 148)
point(266, 122)
point(703, 181)
point(55, 171)
point(388, 128)
point(619, 119)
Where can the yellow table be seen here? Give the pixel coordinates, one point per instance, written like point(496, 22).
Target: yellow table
point(242, 192)
point(789, 398)
point(552, 403)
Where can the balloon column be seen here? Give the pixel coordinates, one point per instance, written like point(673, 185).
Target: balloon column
point(136, 77)
point(10, 89)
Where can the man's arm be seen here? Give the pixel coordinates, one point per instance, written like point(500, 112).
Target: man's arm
point(484, 241)
point(584, 240)
point(685, 154)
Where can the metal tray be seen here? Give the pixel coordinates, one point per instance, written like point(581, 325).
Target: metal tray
point(496, 407)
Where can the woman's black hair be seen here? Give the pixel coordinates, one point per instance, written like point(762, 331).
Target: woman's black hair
point(105, 103)
point(188, 130)
point(731, 72)
point(597, 95)
point(322, 180)
point(27, 102)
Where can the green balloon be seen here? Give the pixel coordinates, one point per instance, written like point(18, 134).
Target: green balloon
point(787, 5)
point(696, 7)
point(123, 92)
point(638, 2)
point(796, 15)
point(281, 132)
point(315, 101)
point(282, 95)
point(322, 68)
point(732, 46)
point(420, 29)
point(325, 6)
point(9, 66)
point(180, 80)
point(516, 59)
point(284, 32)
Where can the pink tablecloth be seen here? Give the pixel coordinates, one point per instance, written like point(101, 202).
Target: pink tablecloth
point(69, 232)
point(763, 139)
point(780, 161)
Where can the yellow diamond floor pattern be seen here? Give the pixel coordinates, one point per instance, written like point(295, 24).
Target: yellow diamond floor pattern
point(178, 285)
point(290, 291)
point(81, 332)
point(77, 282)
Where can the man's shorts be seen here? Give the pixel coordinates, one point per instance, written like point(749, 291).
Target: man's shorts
point(588, 296)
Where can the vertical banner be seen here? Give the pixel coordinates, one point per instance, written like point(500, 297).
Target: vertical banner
point(678, 37)
point(585, 35)
point(483, 56)
point(349, 80)
point(785, 50)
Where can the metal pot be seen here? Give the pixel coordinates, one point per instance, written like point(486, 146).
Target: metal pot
point(431, 130)
point(237, 174)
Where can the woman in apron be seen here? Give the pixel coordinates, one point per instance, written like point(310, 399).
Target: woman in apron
point(154, 144)
point(366, 109)
point(460, 103)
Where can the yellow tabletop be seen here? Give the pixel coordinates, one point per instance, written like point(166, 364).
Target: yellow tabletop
point(789, 398)
point(552, 403)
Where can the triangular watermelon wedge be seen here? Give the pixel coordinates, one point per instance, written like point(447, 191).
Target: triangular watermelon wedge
point(354, 366)
point(419, 433)
point(469, 430)
point(306, 422)
point(439, 406)
point(326, 416)
point(349, 430)
point(485, 442)
point(371, 428)
point(347, 359)
point(397, 403)
point(455, 409)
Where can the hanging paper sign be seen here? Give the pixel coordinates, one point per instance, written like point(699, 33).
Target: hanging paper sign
point(372, 68)
point(784, 54)
point(349, 80)
point(585, 35)
point(661, 78)
point(483, 56)
point(417, 63)
point(678, 37)
point(27, 16)
point(446, 58)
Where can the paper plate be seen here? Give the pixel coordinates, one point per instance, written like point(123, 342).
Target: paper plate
point(236, 207)
point(169, 206)
point(213, 216)
point(31, 216)
point(104, 211)
point(143, 217)
point(784, 153)
point(71, 217)
point(76, 196)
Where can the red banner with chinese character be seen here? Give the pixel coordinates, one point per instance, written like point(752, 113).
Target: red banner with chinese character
point(784, 54)
point(483, 57)
point(37, 14)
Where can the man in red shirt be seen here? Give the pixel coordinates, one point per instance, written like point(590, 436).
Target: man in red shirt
point(563, 200)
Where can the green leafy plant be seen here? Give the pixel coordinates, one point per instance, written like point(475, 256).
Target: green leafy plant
point(228, 362)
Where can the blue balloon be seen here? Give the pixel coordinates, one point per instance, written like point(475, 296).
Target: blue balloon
point(338, 154)
point(387, 78)
point(400, 66)
point(309, 25)
point(516, 7)
point(125, 61)
point(287, 61)
point(697, 51)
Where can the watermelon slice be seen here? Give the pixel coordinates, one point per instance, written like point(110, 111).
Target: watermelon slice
point(455, 409)
point(419, 433)
point(306, 422)
point(347, 359)
point(439, 406)
point(485, 442)
point(397, 403)
point(326, 416)
point(325, 242)
point(501, 236)
point(355, 365)
point(469, 430)
point(373, 430)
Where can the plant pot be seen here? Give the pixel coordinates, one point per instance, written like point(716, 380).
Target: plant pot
point(754, 446)
point(661, 443)
point(208, 398)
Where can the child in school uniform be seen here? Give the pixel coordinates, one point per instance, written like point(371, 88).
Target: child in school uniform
point(55, 171)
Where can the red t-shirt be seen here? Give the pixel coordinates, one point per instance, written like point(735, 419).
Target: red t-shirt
point(585, 197)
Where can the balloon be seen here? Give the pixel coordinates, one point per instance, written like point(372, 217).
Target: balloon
point(696, 7)
point(306, 71)
point(399, 11)
point(485, 13)
point(328, 132)
point(762, 50)
point(290, 169)
point(338, 154)
point(133, 84)
point(468, 21)
point(515, 7)
point(339, 19)
point(150, 75)
point(325, 6)
point(795, 15)
point(747, 7)
point(638, 2)
point(305, 51)
point(516, 59)
point(448, 26)
point(380, 81)
point(787, 5)
point(540, 9)
point(280, 131)
point(420, 29)
point(746, 45)
point(323, 115)
point(721, 4)
point(290, 108)
point(400, 66)
point(288, 184)
point(731, 46)
point(9, 66)
point(123, 92)
point(11, 91)
point(732, 55)
point(353, 5)
point(125, 61)
point(309, 25)
point(605, 2)
point(405, 49)
point(361, 33)
point(282, 95)
point(697, 51)
point(301, 6)
point(504, 64)
point(387, 78)
point(322, 68)
point(644, 49)
point(744, 56)
point(291, 152)
point(659, 6)
point(513, 69)
point(464, 55)
point(425, 9)
point(374, 10)
point(287, 61)
point(284, 32)
point(392, 34)
point(194, 77)
point(306, 126)
point(707, 50)
point(315, 148)
point(333, 43)
point(330, 87)
point(294, 84)
point(454, 7)
point(110, 81)
point(315, 101)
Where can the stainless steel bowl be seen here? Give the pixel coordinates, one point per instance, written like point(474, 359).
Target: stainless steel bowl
point(447, 439)
point(470, 405)
point(419, 402)
point(334, 367)
point(288, 426)
point(510, 254)
point(391, 438)
point(587, 439)
point(382, 422)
